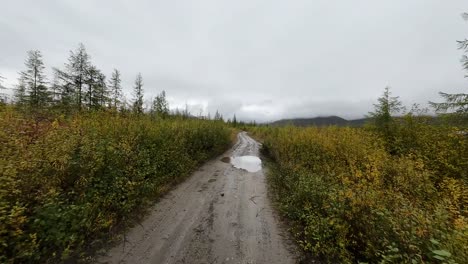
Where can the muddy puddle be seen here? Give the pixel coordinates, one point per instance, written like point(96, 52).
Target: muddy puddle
point(248, 163)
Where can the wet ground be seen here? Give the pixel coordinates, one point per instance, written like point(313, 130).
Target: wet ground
point(221, 214)
point(248, 163)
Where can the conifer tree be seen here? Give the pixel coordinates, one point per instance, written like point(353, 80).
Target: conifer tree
point(234, 120)
point(160, 106)
point(74, 76)
point(115, 89)
point(3, 97)
point(19, 96)
point(382, 117)
point(458, 103)
point(33, 79)
point(102, 91)
point(387, 106)
point(96, 95)
point(218, 116)
point(138, 95)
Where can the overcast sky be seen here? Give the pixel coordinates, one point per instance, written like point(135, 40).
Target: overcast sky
point(262, 60)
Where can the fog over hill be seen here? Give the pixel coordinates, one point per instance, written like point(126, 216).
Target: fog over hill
point(321, 121)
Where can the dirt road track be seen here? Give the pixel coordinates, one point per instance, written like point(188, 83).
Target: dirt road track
point(220, 214)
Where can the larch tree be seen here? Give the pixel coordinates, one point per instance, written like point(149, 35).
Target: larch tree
point(456, 103)
point(102, 91)
point(19, 96)
point(3, 97)
point(160, 107)
point(234, 120)
point(386, 107)
point(55, 89)
point(115, 87)
point(382, 117)
point(34, 80)
point(75, 75)
point(218, 116)
point(96, 95)
point(138, 95)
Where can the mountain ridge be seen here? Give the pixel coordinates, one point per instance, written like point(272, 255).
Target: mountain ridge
point(320, 121)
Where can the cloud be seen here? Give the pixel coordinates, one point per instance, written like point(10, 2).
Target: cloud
point(263, 60)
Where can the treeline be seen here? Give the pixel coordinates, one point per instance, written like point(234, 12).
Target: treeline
point(78, 85)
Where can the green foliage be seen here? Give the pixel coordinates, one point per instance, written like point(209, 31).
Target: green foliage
point(382, 119)
point(67, 181)
point(34, 80)
point(138, 95)
point(457, 104)
point(73, 78)
point(160, 107)
point(351, 201)
point(115, 89)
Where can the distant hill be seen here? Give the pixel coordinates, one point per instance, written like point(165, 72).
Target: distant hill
point(320, 121)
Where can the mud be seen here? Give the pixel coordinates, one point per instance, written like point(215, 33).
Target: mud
point(221, 214)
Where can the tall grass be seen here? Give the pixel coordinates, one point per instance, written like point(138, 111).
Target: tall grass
point(352, 201)
point(68, 181)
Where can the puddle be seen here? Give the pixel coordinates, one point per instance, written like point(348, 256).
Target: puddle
point(248, 163)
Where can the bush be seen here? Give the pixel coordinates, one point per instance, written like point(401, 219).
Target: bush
point(352, 201)
point(67, 181)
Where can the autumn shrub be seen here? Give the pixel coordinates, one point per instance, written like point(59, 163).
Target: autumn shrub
point(65, 182)
point(444, 148)
point(351, 201)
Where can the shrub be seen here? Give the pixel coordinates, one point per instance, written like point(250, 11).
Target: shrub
point(352, 201)
point(67, 181)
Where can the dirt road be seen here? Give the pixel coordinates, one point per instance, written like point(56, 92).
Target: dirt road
point(221, 214)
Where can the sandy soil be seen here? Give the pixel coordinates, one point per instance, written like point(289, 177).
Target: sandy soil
point(220, 214)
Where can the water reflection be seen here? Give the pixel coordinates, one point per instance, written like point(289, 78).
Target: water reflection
point(248, 163)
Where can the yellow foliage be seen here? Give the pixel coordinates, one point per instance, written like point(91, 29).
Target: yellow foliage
point(351, 200)
point(67, 181)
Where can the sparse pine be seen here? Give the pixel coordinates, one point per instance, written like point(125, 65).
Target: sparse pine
point(36, 94)
point(456, 105)
point(160, 107)
point(138, 95)
point(115, 89)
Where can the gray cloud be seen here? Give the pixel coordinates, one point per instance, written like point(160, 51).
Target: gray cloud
point(259, 59)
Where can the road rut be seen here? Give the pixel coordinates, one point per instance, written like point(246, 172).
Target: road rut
point(220, 214)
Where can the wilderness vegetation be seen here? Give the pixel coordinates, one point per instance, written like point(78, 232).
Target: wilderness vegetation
point(393, 191)
point(77, 159)
point(362, 195)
